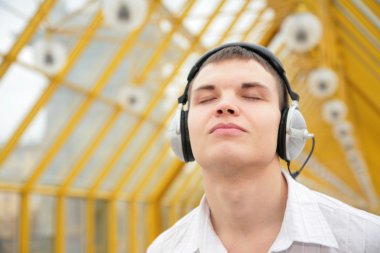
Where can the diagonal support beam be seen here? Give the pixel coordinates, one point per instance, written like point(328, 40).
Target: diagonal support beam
point(26, 35)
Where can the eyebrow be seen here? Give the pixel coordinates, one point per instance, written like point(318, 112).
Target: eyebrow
point(205, 87)
point(254, 85)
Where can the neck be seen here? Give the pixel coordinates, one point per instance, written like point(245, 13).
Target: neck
point(250, 204)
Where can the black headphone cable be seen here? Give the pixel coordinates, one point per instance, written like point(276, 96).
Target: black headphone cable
point(295, 174)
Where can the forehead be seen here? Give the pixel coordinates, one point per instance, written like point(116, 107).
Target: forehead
point(234, 71)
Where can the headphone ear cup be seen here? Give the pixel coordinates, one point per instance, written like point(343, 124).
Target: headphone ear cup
point(179, 136)
point(175, 134)
point(296, 133)
point(186, 146)
point(281, 138)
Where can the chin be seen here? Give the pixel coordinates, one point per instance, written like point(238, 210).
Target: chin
point(231, 156)
point(227, 156)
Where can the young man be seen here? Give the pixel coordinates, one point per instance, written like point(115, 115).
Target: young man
point(237, 96)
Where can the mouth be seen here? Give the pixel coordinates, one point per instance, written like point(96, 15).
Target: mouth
point(227, 128)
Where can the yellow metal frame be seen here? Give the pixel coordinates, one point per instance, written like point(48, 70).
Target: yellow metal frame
point(24, 222)
point(54, 84)
point(26, 35)
point(164, 193)
point(163, 44)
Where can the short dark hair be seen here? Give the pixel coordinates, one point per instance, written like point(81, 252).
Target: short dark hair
point(237, 52)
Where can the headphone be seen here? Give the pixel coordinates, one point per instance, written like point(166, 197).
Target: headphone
point(292, 132)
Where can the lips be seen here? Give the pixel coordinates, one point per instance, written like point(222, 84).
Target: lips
point(226, 126)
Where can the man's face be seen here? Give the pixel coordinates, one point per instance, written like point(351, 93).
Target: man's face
point(234, 114)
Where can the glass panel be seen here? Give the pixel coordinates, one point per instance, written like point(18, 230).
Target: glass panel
point(119, 79)
point(25, 158)
point(165, 213)
point(9, 222)
point(75, 225)
point(145, 166)
point(107, 148)
point(159, 171)
point(128, 157)
point(134, 63)
point(142, 239)
point(122, 227)
point(19, 91)
point(76, 144)
point(42, 224)
point(14, 16)
point(92, 63)
point(63, 9)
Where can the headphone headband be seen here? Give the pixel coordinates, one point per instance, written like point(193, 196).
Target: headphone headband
point(267, 55)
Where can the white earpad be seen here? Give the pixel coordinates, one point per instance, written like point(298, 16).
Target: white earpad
point(296, 133)
point(175, 134)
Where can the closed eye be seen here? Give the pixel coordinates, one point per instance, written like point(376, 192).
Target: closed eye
point(206, 100)
point(252, 97)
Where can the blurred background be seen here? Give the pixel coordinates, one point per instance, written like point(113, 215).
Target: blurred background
point(88, 88)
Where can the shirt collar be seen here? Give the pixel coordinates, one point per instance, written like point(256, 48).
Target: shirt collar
point(303, 221)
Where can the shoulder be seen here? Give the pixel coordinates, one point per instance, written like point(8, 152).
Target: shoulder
point(178, 237)
point(353, 228)
point(333, 208)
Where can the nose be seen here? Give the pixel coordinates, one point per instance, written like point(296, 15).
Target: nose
point(227, 109)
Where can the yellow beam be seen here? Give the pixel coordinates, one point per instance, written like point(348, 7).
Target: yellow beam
point(60, 226)
point(351, 45)
point(164, 43)
point(373, 6)
point(237, 16)
point(26, 35)
point(10, 187)
point(153, 217)
point(328, 53)
point(24, 223)
point(132, 227)
point(361, 17)
point(331, 56)
point(90, 225)
point(365, 80)
point(52, 190)
point(80, 164)
point(344, 21)
point(253, 25)
point(49, 91)
point(282, 10)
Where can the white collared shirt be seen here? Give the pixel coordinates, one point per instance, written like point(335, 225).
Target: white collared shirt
point(313, 222)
